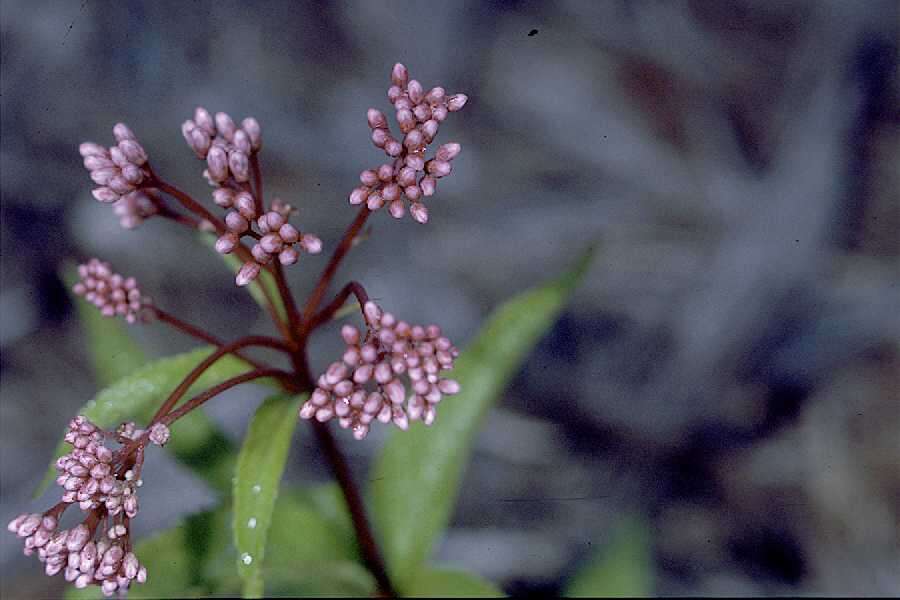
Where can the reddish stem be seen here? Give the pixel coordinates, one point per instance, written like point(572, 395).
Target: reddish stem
point(253, 340)
point(325, 315)
point(200, 334)
point(312, 304)
point(199, 399)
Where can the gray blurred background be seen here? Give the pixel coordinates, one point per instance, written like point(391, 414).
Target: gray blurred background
point(729, 370)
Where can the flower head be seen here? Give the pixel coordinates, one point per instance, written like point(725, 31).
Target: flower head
point(110, 292)
point(409, 175)
point(117, 170)
point(368, 382)
point(103, 483)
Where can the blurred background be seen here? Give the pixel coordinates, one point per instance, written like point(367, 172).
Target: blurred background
point(727, 376)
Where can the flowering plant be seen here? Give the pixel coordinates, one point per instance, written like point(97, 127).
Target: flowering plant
point(391, 371)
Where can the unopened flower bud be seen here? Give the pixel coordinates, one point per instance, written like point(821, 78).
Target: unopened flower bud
point(399, 75)
point(217, 162)
point(254, 132)
point(225, 126)
point(247, 273)
point(239, 165)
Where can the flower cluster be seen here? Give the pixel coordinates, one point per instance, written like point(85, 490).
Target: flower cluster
point(112, 293)
point(104, 485)
point(277, 236)
point(228, 150)
point(419, 115)
point(225, 146)
point(389, 350)
point(120, 173)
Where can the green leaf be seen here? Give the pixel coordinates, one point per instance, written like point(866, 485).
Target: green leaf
point(430, 582)
point(257, 478)
point(417, 475)
point(113, 353)
point(264, 280)
point(138, 395)
point(623, 569)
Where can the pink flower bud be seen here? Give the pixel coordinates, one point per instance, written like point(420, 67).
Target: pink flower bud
point(236, 222)
point(122, 132)
point(406, 120)
point(428, 185)
point(288, 256)
point(102, 176)
point(254, 132)
point(368, 178)
point(350, 335)
point(412, 192)
point(419, 212)
point(104, 194)
point(248, 273)
point(456, 102)
point(239, 165)
point(245, 205)
point(393, 148)
point(311, 243)
point(406, 176)
point(375, 201)
point(91, 149)
point(159, 434)
point(242, 141)
point(391, 192)
point(204, 121)
point(439, 113)
point(271, 243)
point(397, 209)
point(439, 168)
point(133, 151)
point(415, 91)
point(413, 140)
point(394, 93)
point(386, 173)
point(217, 161)
point(376, 119)
point(380, 137)
point(93, 162)
point(430, 129)
point(435, 95)
point(259, 253)
point(422, 112)
point(359, 195)
point(223, 197)
point(399, 75)
point(448, 152)
point(225, 126)
point(415, 162)
point(132, 174)
point(288, 233)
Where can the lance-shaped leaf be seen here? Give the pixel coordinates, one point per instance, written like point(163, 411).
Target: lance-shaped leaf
point(256, 481)
point(417, 475)
point(138, 395)
point(431, 582)
point(623, 569)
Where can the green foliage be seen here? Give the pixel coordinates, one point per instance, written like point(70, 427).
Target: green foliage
point(416, 478)
point(265, 279)
point(257, 478)
point(301, 541)
point(139, 394)
point(430, 582)
point(624, 568)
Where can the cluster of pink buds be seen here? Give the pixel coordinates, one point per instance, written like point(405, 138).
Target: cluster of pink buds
point(104, 485)
point(277, 236)
point(225, 146)
point(366, 384)
point(419, 115)
point(112, 293)
point(117, 170)
point(87, 474)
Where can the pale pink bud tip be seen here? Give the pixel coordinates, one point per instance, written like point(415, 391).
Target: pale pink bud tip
point(399, 75)
point(248, 273)
point(456, 102)
point(159, 434)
